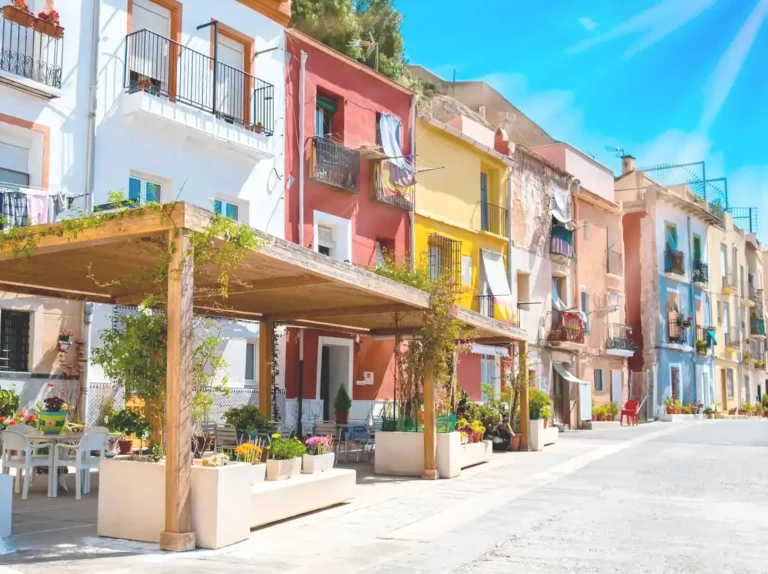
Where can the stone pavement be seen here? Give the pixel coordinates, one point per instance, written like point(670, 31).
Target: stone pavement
point(516, 513)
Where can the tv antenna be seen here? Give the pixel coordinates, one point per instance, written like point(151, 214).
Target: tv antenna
point(619, 151)
point(370, 47)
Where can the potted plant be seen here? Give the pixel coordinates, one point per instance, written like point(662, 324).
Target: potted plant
point(710, 412)
point(9, 404)
point(669, 405)
point(613, 410)
point(258, 128)
point(537, 400)
point(284, 457)
point(247, 419)
point(341, 405)
point(546, 414)
point(701, 346)
point(48, 23)
point(52, 415)
point(129, 423)
point(678, 407)
point(18, 11)
point(252, 454)
point(65, 340)
point(478, 431)
point(319, 456)
point(748, 408)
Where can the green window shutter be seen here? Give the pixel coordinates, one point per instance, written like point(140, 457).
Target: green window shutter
point(326, 104)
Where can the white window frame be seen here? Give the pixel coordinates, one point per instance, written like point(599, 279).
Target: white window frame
point(679, 367)
point(145, 178)
point(251, 381)
point(342, 235)
point(602, 380)
point(241, 209)
point(488, 367)
point(466, 270)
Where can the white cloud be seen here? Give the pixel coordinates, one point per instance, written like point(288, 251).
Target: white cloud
point(729, 66)
point(672, 147)
point(588, 23)
point(653, 24)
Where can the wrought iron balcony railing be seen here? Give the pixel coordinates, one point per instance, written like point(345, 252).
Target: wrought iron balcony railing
point(756, 325)
point(730, 282)
point(566, 327)
point(700, 272)
point(703, 339)
point(674, 261)
point(395, 197)
point(29, 54)
point(618, 337)
point(494, 218)
point(677, 331)
point(486, 305)
point(334, 164)
point(164, 68)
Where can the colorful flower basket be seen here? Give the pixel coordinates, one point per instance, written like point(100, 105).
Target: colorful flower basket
point(52, 422)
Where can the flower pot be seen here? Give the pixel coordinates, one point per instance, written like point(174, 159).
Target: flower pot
point(515, 445)
point(710, 416)
point(126, 446)
point(670, 410)
point(314, 463)
point(283, 469)
point(342, 417)
point(20, 17)
point(52, 422)
point(546, 422)
point(64, 344)
point(48, 28)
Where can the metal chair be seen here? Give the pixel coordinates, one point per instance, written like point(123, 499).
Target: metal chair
point(225, 437)
point(331, 429)
point(354, 434)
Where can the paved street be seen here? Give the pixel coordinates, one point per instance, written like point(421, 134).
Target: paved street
point(686, 497)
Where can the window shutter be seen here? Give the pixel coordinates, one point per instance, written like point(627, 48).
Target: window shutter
point(14, 158)
point(466, 270)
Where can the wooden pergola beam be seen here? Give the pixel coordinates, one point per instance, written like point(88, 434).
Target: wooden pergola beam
point(282, 283)
point(266, 329)
point(343, 312)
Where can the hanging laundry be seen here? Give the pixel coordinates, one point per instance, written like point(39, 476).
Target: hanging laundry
point(14, 209)
point(401, 171)
point(57, 204)
point(37, 208)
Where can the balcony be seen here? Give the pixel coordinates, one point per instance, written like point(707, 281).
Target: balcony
point(703, 339)
point(730, 284)
point(731, 345)
point(391, 195)
point(615, 263)
point(335, 165)
point(486, 306)
point(756, 349)
point(677, 329)
point(567, 331)
point(756, 296)
point(674, 262)
point(29, 60)
point(494, 219)
point(756, 325)
point(700, 274)
point(619, 344)
point(190, 89)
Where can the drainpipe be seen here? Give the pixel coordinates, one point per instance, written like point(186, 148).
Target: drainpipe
point(302, 85)
point(692, 302)
point(87, 321)
point(509, 230)
point(412, 213)
point(577, 298)
point(90, 152)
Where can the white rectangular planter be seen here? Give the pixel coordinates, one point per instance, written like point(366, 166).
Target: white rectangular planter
point(6, 504)
point(283, 469)
point(272, 501)
point(550, 434)
point(314, 463)
point(476, 453)
point(132, 501)
point(402, 454)
point(449, 454)
point(536, 435)
point(259, 472)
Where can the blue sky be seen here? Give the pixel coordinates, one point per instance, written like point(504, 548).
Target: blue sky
point(667, 80)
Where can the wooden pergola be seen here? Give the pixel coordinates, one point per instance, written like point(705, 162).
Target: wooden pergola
point(280, 282)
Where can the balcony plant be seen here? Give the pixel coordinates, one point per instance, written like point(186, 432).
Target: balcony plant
point(129, 423)
point(65, 340)
point(546, 414)
point(319, 456)
point(253, 454)
point(710, 412)
point(683, 322)
point(48, 23)
point(701, 346)
point(341, 405)
point(285, 456)
point(537, 400)
point(19, 13)
point(52, 414)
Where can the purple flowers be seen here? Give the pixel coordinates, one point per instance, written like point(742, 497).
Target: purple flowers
point(317, 445)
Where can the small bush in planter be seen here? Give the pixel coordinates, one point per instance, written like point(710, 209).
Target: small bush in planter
point(249, 452)
point(285, 456)
point(537, 400)
point(248, 418)
point(129, 423)
point(613, 410)
point(318, 445)
point(341, 404)
point(546, 414)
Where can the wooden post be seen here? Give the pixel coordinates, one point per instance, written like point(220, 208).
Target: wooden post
point(430, 426)
point(265, 368)
point(178, 535)
point(524, 405)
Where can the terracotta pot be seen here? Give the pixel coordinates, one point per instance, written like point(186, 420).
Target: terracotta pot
point(48, 28)
point(670, 410)
point(546, 423)
point(342, 417)
point(515, 445)
point(125, 446)
point(20, 17)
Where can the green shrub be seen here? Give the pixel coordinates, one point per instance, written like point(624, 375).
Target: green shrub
point(537, 400)
point(286, 448)
point(342, 403)
point(248, 418)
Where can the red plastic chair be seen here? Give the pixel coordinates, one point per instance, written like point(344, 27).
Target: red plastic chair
point(631, 410)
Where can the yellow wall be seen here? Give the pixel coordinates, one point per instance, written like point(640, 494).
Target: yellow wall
point(448, 199)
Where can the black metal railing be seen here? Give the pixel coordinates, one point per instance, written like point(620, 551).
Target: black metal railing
point(486, 305)
point(703, 339)
point(566, 327)
point(700, 272)
point(677, 333)
point(30, 54)
point(392, 196)
point(444, 259)
point(755, 295)
point(164, 68)
point(494, 218)
point(334, 164)
point(674, 262)
point(618, 337)
point(615, 263)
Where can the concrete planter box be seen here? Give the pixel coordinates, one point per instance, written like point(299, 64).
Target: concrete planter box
point(536, 435)
point(6, 504)
point(550, 435)
point(402, 454)
point(314, 463)
point(283, 469)
point(132, 502)
point(272, 501)
point(681, 418)
point(476, 453)
point(258, 472)
point(597, 425)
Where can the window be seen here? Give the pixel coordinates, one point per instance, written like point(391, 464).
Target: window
point(585, 310)
point(384, 249)
point(488, 374)
point(719, 313)
point(599, 385)
point(14, 341)
point(726, 325)
point(723, 262)
point(523, 287)
point(483, 201)
point(466, 270)
point(324, 111)
point(746, 388)
point(674, 383)
point(142, 191)
point(696, 249)
point(14, 166)
point(250, 361)
point(444, 256)
point(671, 236)
point(378, 129)
point(226, 209)
point(729, 382)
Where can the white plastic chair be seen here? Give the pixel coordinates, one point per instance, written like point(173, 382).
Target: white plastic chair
point(79, 455)
point(26, 460)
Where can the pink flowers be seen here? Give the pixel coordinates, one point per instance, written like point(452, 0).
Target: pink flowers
point(317, 445)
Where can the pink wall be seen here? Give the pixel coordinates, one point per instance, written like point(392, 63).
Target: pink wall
point(469, 375)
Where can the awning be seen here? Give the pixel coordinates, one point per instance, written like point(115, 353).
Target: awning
point(561, 203)
point(712, 333)
point(495, 274)
point(479, 349)
point(566, 374)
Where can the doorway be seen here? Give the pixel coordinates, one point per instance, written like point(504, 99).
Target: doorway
point(724, 390)
point(334, 369)
point(616, 391)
